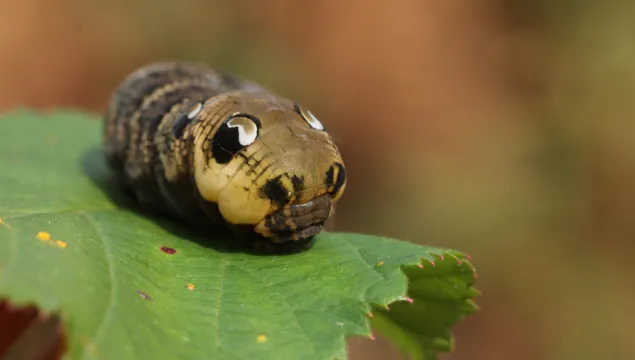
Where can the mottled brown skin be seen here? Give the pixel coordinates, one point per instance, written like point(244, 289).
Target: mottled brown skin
point(212, 149)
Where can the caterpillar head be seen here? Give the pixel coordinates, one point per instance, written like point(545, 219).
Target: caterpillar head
point(267, 163)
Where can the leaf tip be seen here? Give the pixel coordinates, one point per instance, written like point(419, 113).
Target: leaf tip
point(459, 261)
point(404, 298)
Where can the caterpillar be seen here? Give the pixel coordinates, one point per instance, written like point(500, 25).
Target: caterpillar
point(212, 149)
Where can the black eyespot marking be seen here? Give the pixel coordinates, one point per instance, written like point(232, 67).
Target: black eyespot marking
point(330, 176)
point(341, 178)
point(336, 180)
point(298, 183)
point(227, 140)
point(275, 191)
point(179, 125)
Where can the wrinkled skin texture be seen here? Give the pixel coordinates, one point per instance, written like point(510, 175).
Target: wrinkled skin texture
point(212, 149)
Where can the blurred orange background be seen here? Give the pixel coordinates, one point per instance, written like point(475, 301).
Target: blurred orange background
point(504, 129)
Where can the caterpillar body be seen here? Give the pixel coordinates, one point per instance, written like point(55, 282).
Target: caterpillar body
point(213, 149)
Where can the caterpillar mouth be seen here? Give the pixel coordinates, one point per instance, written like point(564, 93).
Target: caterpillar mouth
point(295, 222)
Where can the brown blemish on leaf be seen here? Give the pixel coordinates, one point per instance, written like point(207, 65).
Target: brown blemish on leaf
point(190, 287)
point(144, 296)
point(168, 250)
point(381, 263)
point(43, 235)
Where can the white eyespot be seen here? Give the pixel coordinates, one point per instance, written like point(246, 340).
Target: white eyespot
point(313, 121)
point(197, 109)
point(247, 130)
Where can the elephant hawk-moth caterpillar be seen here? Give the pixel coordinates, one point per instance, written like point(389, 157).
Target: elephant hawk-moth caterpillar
point(213, 149)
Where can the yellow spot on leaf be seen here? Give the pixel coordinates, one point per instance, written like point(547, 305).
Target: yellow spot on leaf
point(190, 287)
point(261, 338)
point(380, 263)
point(60, 244)
point(43, 235)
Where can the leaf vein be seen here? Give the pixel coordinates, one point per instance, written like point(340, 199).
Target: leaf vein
point(59, 212)
point(13, 250)
point(286, 302)
point(113, 289)
point(372, 266)
point(221, 273)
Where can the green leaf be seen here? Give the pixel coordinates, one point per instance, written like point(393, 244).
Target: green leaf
point(120, 296)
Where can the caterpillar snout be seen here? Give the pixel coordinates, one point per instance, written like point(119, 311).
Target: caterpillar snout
point(296, 221)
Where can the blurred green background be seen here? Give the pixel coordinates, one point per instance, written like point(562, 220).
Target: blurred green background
point(504, 129)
